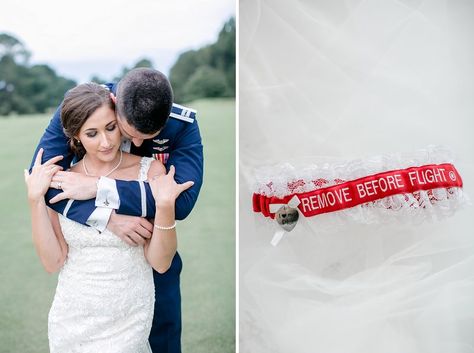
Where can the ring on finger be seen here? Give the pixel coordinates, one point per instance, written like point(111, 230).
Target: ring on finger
point(58, 184)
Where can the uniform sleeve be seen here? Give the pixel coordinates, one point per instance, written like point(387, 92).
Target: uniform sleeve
point(187, 158)
point(54, 143)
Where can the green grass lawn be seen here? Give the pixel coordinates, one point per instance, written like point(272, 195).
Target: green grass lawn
point(206, 241)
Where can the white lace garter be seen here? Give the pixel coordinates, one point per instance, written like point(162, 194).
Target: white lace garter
point(419, 186)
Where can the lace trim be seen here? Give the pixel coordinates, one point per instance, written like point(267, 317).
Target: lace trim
point(145, 163)
point(285, 179)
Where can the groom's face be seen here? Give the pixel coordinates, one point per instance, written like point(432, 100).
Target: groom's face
point(129, 132)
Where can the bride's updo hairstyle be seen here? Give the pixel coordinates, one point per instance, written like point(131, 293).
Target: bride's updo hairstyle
point(79, 104)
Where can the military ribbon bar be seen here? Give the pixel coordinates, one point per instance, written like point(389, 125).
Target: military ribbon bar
point(370, 188)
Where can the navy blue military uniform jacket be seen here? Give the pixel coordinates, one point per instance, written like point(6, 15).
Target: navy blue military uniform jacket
point(179, 144)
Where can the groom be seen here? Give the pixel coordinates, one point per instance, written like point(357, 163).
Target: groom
point(152, 125)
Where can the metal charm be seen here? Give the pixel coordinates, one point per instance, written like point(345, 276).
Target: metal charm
point(287, 217)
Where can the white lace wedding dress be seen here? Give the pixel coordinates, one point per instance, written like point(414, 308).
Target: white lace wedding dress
point(105, 294)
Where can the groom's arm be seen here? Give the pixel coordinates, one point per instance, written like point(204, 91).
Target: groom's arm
point(187, 157)
point(55, 143)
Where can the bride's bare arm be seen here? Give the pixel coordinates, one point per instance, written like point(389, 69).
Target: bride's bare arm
point(161, 248)
point(47, 236)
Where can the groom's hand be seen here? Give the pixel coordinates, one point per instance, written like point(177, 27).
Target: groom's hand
point(132, 230)
point(75, 186)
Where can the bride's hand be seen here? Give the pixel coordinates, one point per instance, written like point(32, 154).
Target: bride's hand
point(165, 189)
point(38, 181)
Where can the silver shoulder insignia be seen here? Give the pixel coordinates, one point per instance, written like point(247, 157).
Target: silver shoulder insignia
point(182, 113)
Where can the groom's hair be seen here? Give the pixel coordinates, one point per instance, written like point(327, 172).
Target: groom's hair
point(144, 99)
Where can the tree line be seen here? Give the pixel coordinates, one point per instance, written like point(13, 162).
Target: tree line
point(26, 89)
point(29, 89)
point(209, 71)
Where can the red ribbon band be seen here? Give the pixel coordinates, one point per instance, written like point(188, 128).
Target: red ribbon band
point(366, 189)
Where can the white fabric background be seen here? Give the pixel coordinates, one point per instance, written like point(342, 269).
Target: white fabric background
point(342, 80)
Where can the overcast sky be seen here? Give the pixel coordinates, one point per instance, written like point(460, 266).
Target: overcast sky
point(82, 38)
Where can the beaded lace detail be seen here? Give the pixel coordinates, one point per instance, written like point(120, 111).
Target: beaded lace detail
point(105, 295)
point(145, 163)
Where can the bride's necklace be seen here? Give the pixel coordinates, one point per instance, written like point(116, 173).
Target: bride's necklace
point(113, 169)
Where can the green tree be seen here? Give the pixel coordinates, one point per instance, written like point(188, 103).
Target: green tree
point(205, 82)
point(12, 47)
point(181, 71)
point(27, 89)
point(12, 83)
point(144, 62)
point(46, 88)
point(215, 63)
point(97, 79)
point(224, 53)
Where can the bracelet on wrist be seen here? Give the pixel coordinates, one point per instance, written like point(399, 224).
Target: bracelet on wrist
point(165, 228)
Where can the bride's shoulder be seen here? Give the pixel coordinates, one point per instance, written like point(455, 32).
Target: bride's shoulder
point(154, 167)
point(129, 167)
point(130, 160)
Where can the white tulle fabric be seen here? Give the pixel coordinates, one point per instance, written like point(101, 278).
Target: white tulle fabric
point(334, 81)
point(105, 294)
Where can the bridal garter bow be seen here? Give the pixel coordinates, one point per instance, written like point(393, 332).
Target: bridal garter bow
point(421, 185)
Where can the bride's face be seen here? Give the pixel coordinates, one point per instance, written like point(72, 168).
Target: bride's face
point(100, 135)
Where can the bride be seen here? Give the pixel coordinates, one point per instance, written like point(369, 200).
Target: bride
point(105, 294)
